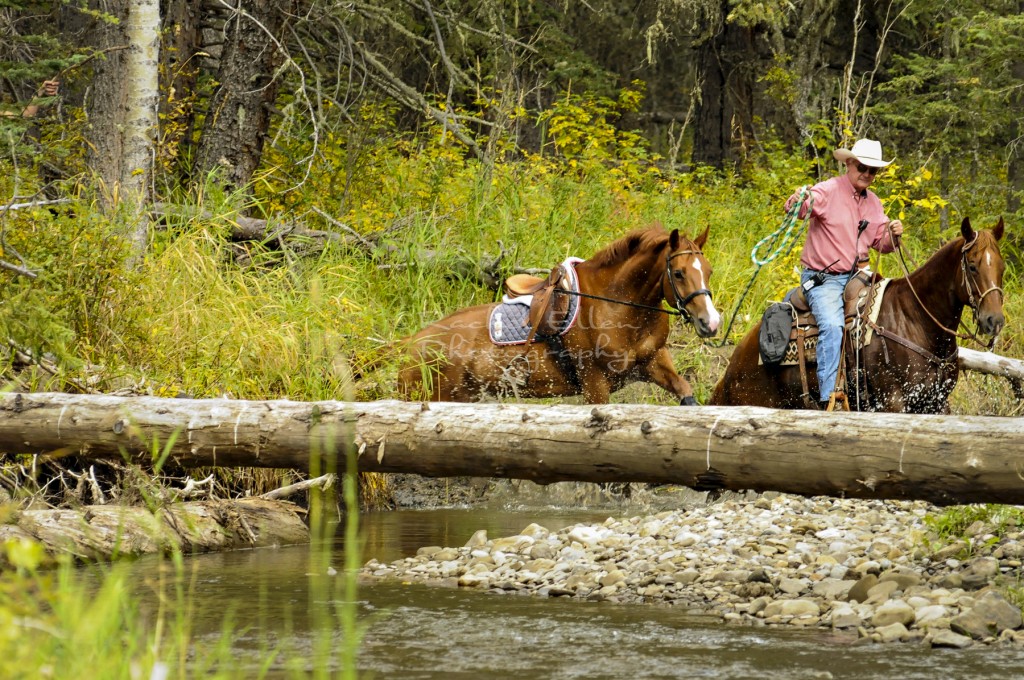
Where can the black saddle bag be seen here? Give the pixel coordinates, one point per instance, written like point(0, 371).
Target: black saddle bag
point(776, 325)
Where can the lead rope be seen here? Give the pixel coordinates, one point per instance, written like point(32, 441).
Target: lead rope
point(781, 241)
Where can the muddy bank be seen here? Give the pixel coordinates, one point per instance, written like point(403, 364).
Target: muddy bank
point(870, 568)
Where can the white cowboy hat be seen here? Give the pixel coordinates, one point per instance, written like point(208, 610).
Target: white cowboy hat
point(867, 151)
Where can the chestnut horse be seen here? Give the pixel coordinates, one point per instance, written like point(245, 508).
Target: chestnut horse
point(909, 367)
point(619, 335)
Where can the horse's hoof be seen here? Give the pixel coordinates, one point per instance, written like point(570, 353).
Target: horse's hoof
point(688, 401)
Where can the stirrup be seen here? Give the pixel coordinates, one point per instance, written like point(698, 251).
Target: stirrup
point(837, 401)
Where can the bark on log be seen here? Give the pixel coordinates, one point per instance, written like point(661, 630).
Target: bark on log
point(942, 459)
point(100, 532)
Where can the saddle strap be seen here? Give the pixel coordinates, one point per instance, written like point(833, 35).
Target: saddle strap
point(543, 298)
point(938, 361)
point(802, 361)
point(563, 359)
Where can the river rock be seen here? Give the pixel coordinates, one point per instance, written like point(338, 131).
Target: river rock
point(979, 572)
point(947, 638)
point(892, 633)
point(445, 555)
point(859, 591)
point(847, 564)
point(845, 616)
point(792, 586)
point(881, 592)
point(428, 551)
point(931, 616)
point(893, 611)
point(956, 548)
point(904, 579)
point(477, 539)
point(791, 608)
point(535, 531)
point(989, 616)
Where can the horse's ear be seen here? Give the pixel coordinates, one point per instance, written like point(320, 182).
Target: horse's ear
point(997, 230)
point(703, 238)
point(966, 231)
point(673, 241)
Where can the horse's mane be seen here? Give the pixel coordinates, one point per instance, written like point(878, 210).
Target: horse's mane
point(942, 253)
point(953, 247)
point(618, 251)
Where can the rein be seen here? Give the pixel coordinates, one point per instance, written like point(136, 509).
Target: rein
point(971, 287)
point(681, 302)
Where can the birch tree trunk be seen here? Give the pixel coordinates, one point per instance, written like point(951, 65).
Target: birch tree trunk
point(123, 115)
point(142, 123)
point(942, 459)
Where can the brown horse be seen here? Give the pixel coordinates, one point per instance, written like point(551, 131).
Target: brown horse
point(618, 337)
point(911, 365)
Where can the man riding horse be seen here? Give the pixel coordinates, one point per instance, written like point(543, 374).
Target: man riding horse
point(846, 219)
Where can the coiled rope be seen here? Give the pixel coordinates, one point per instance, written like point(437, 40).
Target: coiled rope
point(780, 242)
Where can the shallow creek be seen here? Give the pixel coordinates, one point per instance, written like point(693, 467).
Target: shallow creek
point(417, 631)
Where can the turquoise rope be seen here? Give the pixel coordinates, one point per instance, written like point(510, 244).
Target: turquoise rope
point(782, 240)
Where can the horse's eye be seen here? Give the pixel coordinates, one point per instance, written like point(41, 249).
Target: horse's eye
point(678, 274)
point(973, 267)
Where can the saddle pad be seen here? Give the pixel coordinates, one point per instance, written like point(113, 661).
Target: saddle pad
point(508, 322)
point(876, 306)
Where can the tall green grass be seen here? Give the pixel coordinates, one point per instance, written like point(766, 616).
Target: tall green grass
point(60, 619)
point(205, 317)
point(68, 623)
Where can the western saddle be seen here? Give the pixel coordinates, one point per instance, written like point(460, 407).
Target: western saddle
point(858, 298)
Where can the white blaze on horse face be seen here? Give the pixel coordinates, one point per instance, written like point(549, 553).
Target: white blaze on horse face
point(714, 318)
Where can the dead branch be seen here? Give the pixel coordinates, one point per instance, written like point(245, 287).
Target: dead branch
point(322, 482)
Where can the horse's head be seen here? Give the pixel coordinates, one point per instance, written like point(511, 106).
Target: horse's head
point(980, 280)
point(685, 283)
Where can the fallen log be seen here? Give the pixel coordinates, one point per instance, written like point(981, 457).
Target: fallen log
point(942, 459)
point(101, 532)
point(993, 364)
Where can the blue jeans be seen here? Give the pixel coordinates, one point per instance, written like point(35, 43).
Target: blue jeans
point(826, 302)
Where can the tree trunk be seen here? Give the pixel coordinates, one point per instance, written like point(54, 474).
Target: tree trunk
point(711, 134)
point(942, 459)
point(812, 97)
point(993, 364)
point(179, 69)
point(108, 107)
point(725, 131)
point(143, 74)
point(123, 117)
point(239, 118)
point(1015, 162)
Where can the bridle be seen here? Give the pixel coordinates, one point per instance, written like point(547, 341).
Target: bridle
point(970, 283)
point(680, 301)
point(975, 287)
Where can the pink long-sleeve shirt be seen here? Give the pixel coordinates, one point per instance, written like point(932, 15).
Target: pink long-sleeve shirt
point(832, 230)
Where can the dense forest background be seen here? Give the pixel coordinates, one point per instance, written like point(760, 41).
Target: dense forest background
point(255, 198)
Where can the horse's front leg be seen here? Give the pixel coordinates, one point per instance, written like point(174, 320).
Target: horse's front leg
point(596, 388)
point(661, 371)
